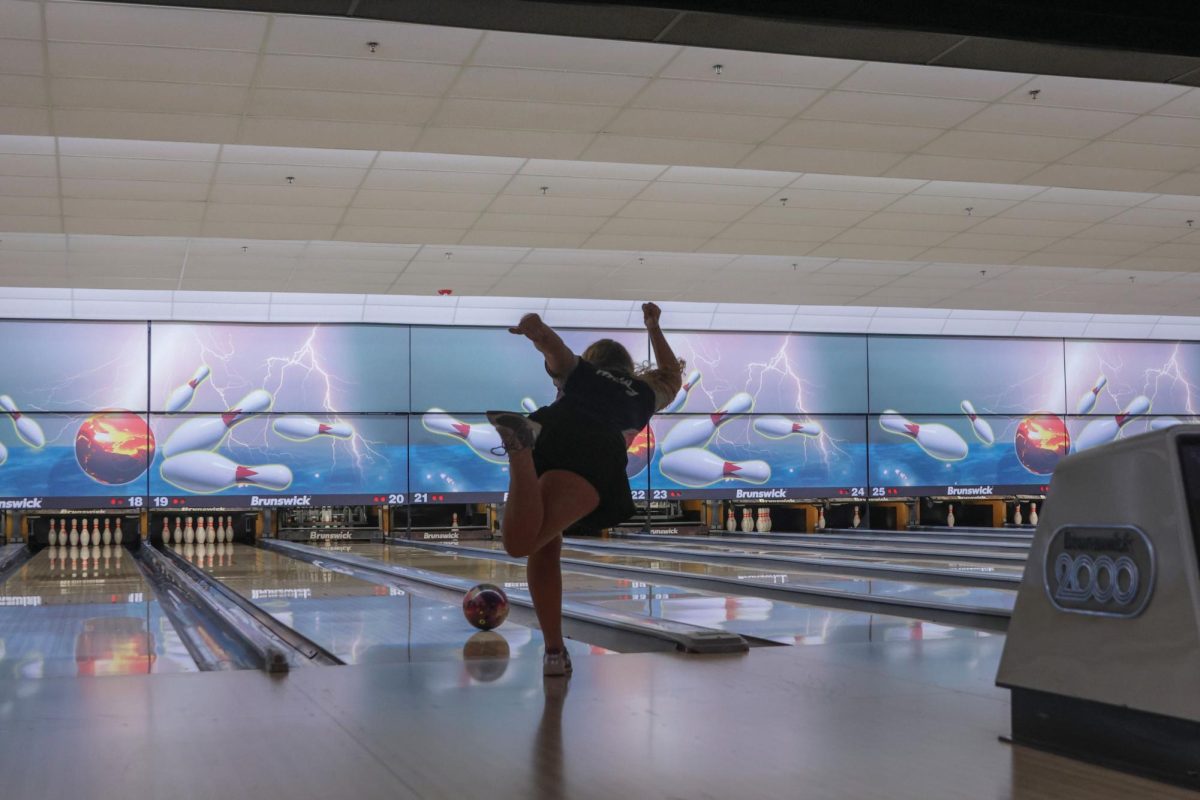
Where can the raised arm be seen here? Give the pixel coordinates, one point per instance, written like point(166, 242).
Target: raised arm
point(559, 358)
point(667, 379)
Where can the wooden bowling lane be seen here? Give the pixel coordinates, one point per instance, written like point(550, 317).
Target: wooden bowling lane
point(877, 538)
point(84, 611)
point(782, 622)
point(358, 621)
point(763, 544)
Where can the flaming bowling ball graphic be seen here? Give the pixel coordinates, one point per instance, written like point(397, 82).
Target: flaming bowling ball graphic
point(114, 447)
point(1041, 442)
point(640, 451)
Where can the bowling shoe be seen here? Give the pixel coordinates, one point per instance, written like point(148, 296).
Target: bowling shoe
point(517, 432)
point(556, 664)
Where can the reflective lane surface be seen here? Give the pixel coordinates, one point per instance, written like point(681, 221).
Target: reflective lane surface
point(789, 623)
point(84, 611)
point(361, 622)
point(949, 562)
point(788, 547)
point(881, 539)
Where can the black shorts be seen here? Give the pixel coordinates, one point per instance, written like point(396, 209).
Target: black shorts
point(596, 453)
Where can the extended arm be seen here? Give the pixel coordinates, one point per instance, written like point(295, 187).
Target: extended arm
point(668, 377)
point(559, 358)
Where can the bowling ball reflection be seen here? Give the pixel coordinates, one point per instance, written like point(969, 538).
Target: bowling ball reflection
point(114, 447)
point(486, 656)
point(114, 646)
point(640, 451)
point(1042, 441)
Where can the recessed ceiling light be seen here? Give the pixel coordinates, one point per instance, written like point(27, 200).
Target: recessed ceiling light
point(372, 46)
point(290, 179)
point(718, 68)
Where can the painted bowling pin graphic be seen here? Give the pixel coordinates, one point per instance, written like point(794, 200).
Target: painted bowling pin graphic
point(681, 396)
point(1156, 424)
point(695, 467)
point(3, 454)
point(1104, 430)
point(182, 396)
point(206, 433)
point(27, 428)
point(936, 439)
point(481, 437)
point(1088, 401)
point(983, 429)
point(301, 429)
point(775, 427)
point(695, 432)
point(205, 471)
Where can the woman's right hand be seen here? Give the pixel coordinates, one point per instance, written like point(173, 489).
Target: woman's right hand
point(530, 326)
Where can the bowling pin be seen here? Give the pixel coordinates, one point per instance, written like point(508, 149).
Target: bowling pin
point(856, 520)
point(85, 538)
point(211, 537)
point(936, 439)
point(219, 531)
point(950, 517)
point(166, 531)
point(982, 428)
point(481, 438)
point(747, 521)
point(205, 471)
point(821, 518)
point(106, 539)
point(529, 405)
point(1033, 515)
point(767, 519)
point(780, 427)
point(1104, 430)
point(27, 428)
point(681, 396)
point(181, 398)
point(229, 530)
point(696, 467)
point(52, 537)
point(696, 431)
point(454, 522)
point(178, 538)
point(1158, 423)
point(201, 531)
point(1088, 401)
point(189, 535)
point(301, 429)
point(205, 433)
point(74, 540)
point(118, 535)
point(730, 519)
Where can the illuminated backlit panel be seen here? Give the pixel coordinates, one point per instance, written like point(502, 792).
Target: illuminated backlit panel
point(279, 460)
point(758, 457)
point(1111, 378)
point(309, 369)
point(452, 459)
point(771, 373)
point(945, 375)
point(467, 370)
point(955, 455)
point(52, 461)
point(73, 367)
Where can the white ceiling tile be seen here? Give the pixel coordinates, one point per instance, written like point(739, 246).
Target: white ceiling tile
point(1187, 183)
point(900, 221)
point(1000, 191)
point(725, 98)
point(29, 166)
point(525, 144)
point(881, 236)
point(352, 233)
point(889, 109)
point(20, 19)
point(237, 212)
point(738, 66)
point(590, 169)
point(1151, 129)
point(1179, 202)
point(955, 206)
point(197, 98)
point(160, 27)
point(1048, 259)
point(733, 177)
point(677, 243)
point(364, 75)
point(541, 238)
point(538, 222)
point(1008, 226)
point(815, 159)
point(867, 251)
point(1140, 233)
point(347, 38)
point(134, 148)
point(24, 90)
point(977, 144)
point(137, 209)
point(918, 79)
point(124, 62)
point(464, 112)
point(1185, 105)
point(131, 227)
point(447, 162)
point(1060, 194)
point(27, 145)
point(359, 106)
point(1037, 119)
point(954, 168)
point(1149, 215)
point(135, 169)
point(856, 183)
point(139, 125)
point(712, 212)
point(546, 86)
point(21, 57)
point(1098, 247)
point(1128, 155)
point(964, 255)
point(611, 147)
point(1066, 175)
point(327, 133)
point(574, 187)
point(555, 205)
point(503, 49)
point(580, 258)
point(410, 218)
point(692, 125)
point(706, 193)
point(285, 195)
point(984, 241)
point(31, 187)
point(298, 156)
point(796, 215)
point(268, 230)
point(656, 227)
point(858, 136)
point(427, 180)
point(29, 206)
point(277, 175)
point(1105, 95)
point(25, 121)
point(432, 201)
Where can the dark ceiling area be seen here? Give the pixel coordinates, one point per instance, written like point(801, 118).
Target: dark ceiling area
point(1158, 42)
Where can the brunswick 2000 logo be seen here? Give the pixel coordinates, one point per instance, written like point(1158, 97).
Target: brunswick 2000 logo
point(1099, 570)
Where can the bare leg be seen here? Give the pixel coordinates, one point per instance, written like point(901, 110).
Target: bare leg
point(545, 585)
point(523, 509)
